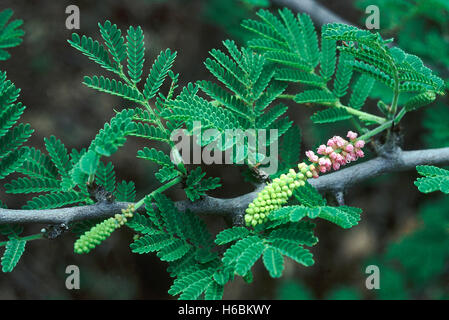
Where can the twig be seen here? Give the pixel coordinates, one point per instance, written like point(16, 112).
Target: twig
point(318, 12)
point(234, 208)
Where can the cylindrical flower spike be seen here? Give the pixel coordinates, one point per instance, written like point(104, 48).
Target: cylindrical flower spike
point(101, 231)
point(337, 153)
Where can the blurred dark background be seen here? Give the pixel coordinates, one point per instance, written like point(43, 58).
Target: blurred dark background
point(50, 73)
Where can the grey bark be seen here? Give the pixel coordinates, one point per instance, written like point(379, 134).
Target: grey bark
point(234, 208)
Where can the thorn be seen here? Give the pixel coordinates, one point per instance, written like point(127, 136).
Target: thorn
point(339, 196)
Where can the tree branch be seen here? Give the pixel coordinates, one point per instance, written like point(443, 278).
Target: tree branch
point(234, 208)
point(318, 12)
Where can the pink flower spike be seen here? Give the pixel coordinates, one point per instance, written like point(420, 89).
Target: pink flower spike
point(352, 135)
point(333, 156)
point(323, 169)
point(359, 144)
point(329, 150)
point(360, 153)
point(336, 166)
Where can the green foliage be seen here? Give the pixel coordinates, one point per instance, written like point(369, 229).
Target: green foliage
point(113, 87)
point(135, 49)
point(232, 234)
point(197, 186)
point(435, 179)
point(291, 44)
point(125, 191)
point(181, 239)
point(330, 115)
point(290, 149)
point(10, 33)
point(13, 252)
point(412, 20)
point(12, 136)
point(158, 73)
point(241, 100)
point(343, 216)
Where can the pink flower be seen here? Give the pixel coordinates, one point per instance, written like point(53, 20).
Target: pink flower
point(359, 144)
point(322, 149)
point(349, 148)
point(352, 135)
point(322, 161)
point(336, 154)
point(312, 156)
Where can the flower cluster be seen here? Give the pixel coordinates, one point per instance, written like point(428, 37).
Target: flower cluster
point(102, 231)
point(276, 193)
point(338, 152)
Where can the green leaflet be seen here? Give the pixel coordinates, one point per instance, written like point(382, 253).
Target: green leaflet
point(12, 136)
point(147, 131)
point(125, 191)
point(158, 73)
point(361, 91)
point(135, 49)
point(297, 253)
point(10, 33)
point(343, 75)
point(38, 164)
point(13, 252)
point(197, 186)
point(142, 224)
point(192, 285)
point(328, 56)
point(292, 75)
point(114, 41)
point(420, 100)
point(248, 257)
point(330, 115)
point(105, 176)
point(58, 155)
point(30, 185)
point(113, 87)
point(12, 162)
point(273, 261)
point(232, 234)
point(343, 216)
point(435, 179)
point(55, 200)
point(156, 156)
point(93, 50)
point(315, 96)
point(215, 291)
